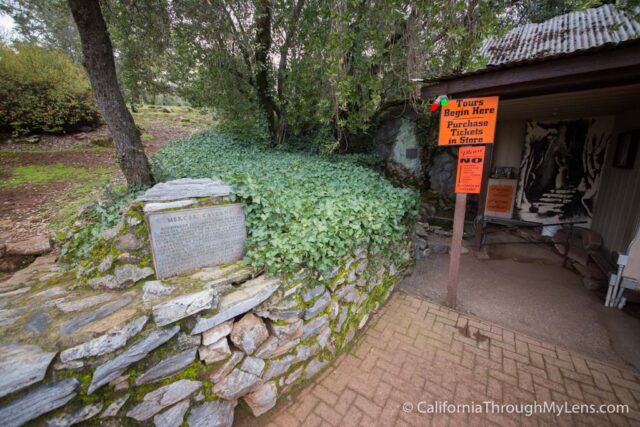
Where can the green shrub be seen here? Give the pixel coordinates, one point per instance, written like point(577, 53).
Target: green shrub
point(301, 210)
point(43, 91)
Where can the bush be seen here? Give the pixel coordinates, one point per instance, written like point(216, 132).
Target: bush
point(301, 210)
point(43, 91)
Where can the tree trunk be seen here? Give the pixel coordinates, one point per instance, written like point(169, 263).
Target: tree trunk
point(100, 65)
point(263, 45)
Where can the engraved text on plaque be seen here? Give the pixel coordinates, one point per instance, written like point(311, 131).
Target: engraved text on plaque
point(188, 239)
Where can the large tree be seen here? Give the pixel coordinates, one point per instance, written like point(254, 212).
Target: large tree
point(100, 65)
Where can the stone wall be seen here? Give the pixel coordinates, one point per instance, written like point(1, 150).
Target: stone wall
point(108, 343)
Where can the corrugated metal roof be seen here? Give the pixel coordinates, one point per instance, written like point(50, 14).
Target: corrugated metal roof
point(562, 35)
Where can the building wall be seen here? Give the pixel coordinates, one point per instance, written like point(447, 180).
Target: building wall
point(507, 150)
point(617, 212)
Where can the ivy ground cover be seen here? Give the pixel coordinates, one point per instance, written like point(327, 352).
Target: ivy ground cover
point(301, 210)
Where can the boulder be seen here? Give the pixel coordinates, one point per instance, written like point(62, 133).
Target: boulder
point(249, 332)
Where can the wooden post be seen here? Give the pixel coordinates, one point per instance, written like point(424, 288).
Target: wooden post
point(482, 198)
point(456, 248)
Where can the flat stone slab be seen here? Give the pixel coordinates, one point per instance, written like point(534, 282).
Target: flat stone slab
point(157, 400)
point(185, 188)
point(212, 414)
point(76, 417)
point(113, 409)
point(183, 306)
point(84, 303)
point(244, 298)
point(37, 402)
point(112, 369)
point(21, 366)
point(161, 206)
point(107, 343)
point(97, 314)
point(169, 366)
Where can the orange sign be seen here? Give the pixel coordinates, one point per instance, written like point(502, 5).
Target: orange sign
point(468, 121)
point(469, 174)
point(500, 198)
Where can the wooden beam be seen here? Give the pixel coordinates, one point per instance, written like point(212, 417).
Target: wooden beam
point(482, 201)
point(603, 68)
point(456, 249)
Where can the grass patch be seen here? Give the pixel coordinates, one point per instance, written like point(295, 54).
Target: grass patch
point(44, 174)
point(179, 117)
point(146, 137)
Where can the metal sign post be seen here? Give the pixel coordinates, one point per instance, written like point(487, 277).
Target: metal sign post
point(467, 122)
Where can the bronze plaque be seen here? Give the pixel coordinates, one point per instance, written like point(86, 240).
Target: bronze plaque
point(187, 239)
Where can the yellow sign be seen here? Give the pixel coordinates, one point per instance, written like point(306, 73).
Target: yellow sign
point(468, 121)
point(469, 174)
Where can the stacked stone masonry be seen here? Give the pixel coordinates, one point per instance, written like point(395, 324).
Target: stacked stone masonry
point(108, 341)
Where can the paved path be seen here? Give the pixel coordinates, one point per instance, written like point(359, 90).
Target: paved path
point(419, 352)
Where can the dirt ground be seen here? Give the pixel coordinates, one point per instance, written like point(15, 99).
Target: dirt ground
point(525, 288)
point(29, 209)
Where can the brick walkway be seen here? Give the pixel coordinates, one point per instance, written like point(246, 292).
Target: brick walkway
point(417, 351)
